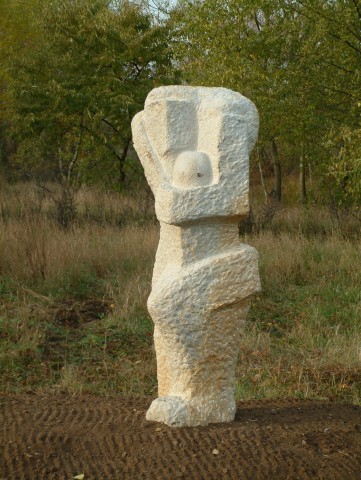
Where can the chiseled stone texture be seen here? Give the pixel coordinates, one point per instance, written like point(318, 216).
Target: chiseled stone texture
point(194, 145)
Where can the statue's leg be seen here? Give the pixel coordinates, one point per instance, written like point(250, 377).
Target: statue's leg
point(196, 361)
point(162, 354)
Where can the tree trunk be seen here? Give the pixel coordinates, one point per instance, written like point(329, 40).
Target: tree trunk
point(262, 182)
point(65, 206)
point(302, 186)
point(277, 171)
point(122, 158)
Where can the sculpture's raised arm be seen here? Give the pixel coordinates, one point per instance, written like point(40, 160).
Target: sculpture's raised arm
point(194, 143)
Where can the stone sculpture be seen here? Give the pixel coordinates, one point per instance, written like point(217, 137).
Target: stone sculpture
point(194, 144)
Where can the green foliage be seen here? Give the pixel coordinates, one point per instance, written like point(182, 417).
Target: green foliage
point(335, 54)
point(298, 61)
point(250, 48)
point(76, 93)
point(16, 37)
point(75, 73)
point(345, 172)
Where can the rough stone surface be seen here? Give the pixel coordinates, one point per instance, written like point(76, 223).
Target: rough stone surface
point(194, 145)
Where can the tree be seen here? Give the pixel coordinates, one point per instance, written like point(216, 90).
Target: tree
point(16, 38)
point(246, 47)
point(294, 59)
point(89, 75)
point(334, 56)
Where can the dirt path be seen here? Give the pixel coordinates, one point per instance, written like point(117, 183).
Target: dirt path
point(61, 437)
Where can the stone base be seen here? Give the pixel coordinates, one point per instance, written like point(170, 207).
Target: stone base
point(180, 412)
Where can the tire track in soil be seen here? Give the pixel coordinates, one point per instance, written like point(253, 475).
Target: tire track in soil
point(60, 437)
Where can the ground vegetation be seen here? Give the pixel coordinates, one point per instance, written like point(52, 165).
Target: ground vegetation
point(78, 232)
point(73, 314)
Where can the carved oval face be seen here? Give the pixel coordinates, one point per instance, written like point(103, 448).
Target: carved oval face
point(192, 170)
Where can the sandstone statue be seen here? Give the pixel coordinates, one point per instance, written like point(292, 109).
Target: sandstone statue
point(194, 145)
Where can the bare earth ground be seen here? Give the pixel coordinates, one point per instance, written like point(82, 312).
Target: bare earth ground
point(59, 437)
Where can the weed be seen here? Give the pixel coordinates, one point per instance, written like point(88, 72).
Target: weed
point(73, 311)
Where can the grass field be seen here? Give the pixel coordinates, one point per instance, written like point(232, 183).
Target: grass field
point(73, 302)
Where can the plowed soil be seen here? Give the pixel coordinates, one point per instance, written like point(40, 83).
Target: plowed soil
point(62, 437)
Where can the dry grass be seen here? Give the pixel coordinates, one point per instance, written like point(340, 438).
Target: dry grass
point(304, 333)
point(73, 303)
point(24, 201)
point(38, 251)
